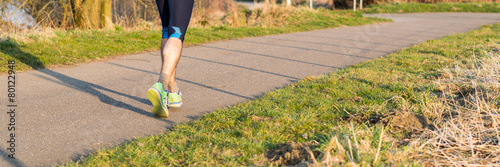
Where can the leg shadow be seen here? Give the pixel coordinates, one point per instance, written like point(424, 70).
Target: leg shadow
point(13, 162)
point(13, 49)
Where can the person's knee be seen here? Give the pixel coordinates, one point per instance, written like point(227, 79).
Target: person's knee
point(176, 33)
point(173, 32)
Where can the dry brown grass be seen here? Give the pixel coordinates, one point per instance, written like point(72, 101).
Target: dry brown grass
point(136, 15)
point(353, 148)
point(466, 117)
point(126, 13)
point(26, 36)
point(464, 131)
point(270, 15)
point(143, 15)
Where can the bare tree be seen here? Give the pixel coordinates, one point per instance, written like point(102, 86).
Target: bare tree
point(92, 14)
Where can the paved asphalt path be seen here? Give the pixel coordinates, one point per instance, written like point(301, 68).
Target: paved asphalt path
point(66, 113)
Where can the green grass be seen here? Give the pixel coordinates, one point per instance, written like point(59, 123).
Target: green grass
point(314, 109)
point(438, 7)
point(79, 46)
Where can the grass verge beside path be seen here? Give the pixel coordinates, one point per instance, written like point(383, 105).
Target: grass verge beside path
point(346, 117)
point(437, 7)
point(62, 48)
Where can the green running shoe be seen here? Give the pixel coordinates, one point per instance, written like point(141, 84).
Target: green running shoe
point(174, 99)
point(158, 97)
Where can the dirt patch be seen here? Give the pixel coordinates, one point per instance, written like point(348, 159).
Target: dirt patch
point(290, 153)
point(357, 98)
point(408, 123)
point(363, 118)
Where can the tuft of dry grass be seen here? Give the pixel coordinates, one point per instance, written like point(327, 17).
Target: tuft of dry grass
point(270, 14)
point(464, 128)
point(466, 117)
point(26, 35)
point(360, 146)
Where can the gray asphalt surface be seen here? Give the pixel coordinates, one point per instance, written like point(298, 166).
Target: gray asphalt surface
point(66, 113)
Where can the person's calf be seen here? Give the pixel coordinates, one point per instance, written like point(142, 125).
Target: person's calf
point(168, 82)
point(164, 80)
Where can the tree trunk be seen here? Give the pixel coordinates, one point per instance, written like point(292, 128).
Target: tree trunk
point(79, 20)
point(65, 6)
point(134, 5)
point(106, 16)
point(266, 6)
point(330, 4)
point(92, 14)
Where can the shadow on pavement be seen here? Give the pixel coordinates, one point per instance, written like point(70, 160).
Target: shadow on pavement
point(13, 162)
point(248, 68)
point(95, 90)
point(353, 40)
point(263, 55)
point(13, 50)
point(387, 35)
point(187, 81)
point(317, 43)
point(309, 49)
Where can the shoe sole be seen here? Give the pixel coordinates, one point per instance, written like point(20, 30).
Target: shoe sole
point(155, 98)
point(175, 105)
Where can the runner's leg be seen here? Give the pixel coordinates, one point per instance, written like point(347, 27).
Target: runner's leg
point(156, 94)
point(179, 16)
